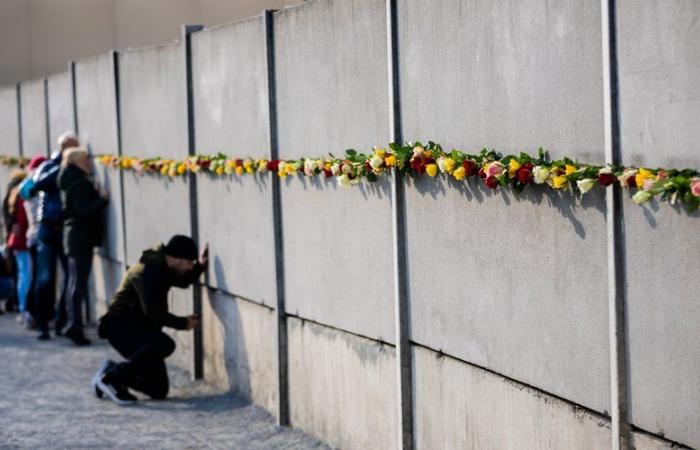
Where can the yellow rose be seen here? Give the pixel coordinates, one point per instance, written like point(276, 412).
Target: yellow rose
point(432, 169)
point(644, 174)
point(262, 164)
point(220, 170)
point(569, 169)
point(247, 164)
point(513, 168)
point(560, 181)
point(380, 152)
point(390, 161)
point(126, 163)
point(164, 170)
point(181, 169)
point(239, 170)
point(289, 168)
point(450, 165)
point(459, 173)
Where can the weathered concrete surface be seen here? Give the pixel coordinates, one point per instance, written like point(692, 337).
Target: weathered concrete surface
point(153, 107)
point(105, 279)
point(46, 403)
point(461, 406)
point(33, 118)
point(659, 63)
point(643, 441)
point(342, 387)
point(97, 109)
point(240, 348)
point(61, 112)
point(517, 284)
point(340, 104)
point(152, 95)
point(229, 74)
point(9, 131)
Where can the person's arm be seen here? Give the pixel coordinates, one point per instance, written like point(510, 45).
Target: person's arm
point(154, 300)
point(45, 179)
point(80, 201)
point(199, 267)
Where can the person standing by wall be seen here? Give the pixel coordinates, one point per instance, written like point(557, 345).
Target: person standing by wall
point(17, 243)
point(8, 222)
point(31, 207)
point(49, 239)
point(83, 206)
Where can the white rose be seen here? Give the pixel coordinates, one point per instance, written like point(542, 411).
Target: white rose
point(642, 197)
point(418, 150)
point(585, 185)
point(441, 164)
point(346, 168)
point(376, 162)
point(335, 168)
point(540, 174)
point(309, 166)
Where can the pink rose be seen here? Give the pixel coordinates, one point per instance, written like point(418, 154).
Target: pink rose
point(695, 186)
point(495, 170)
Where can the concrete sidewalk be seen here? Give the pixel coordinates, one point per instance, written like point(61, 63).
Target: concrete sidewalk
point(46, 402)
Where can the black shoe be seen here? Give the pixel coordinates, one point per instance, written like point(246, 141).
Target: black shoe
point(77, 337)
point(44, 336)
point(105, 367)
point(60, 325)
point(115, 391)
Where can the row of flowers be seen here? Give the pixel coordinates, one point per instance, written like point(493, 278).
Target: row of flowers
point(514, 171)
point(13, 161)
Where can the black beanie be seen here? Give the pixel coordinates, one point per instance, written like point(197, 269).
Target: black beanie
point(183, 247)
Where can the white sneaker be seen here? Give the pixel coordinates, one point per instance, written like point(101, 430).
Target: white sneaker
point(104, 367)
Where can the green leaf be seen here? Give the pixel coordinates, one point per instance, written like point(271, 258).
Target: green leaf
point(371, 177)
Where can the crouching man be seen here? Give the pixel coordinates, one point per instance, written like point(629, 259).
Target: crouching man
point(134, 320)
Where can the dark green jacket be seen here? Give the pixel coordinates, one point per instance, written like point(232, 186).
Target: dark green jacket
point(82, 211)
point(143, 293)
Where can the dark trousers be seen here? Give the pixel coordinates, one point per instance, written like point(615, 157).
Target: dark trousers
point(31, 297)
point(78, 274)
point(49, 249)
point(145, 350)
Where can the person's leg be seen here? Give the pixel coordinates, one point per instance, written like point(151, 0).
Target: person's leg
point(31, 295)
point(141, 347)
point(24, 273)
point(78, 271)
point(153, 381)
point(62, 310)
point(46, 269)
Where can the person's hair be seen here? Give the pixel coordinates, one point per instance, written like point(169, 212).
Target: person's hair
point(15, 179)
point(73, 155)
point(65, 137)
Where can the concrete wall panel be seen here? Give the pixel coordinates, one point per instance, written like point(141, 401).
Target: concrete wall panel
point(9, 128)
point(517, 284)
point(660, 119)
point(153, 106)
point(61, 115)
point(180, 304)
point(240, 347)
point(231, 109)
point(34, 118)
point(342, 103)
point(154, 123)
point(461, 406)
point(97, 110)
point(342, 387)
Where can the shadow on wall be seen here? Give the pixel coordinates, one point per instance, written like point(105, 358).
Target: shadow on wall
point(474, 190)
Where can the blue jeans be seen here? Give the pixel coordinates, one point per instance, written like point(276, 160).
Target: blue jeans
point(49, 249)
point(24, 277)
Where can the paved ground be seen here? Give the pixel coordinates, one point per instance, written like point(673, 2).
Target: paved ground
point(46, 403)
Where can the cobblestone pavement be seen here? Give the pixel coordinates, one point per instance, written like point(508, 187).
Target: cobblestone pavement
point(46, 403)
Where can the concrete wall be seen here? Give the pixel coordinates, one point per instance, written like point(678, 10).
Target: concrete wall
point(526, 297)
point(34, 125)
point(9, 130)
point(60, 101)
point(508, 293)
point(660, 120)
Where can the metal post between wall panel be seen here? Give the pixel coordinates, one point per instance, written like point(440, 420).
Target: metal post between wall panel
point(118, 137)
point(197, 343)
point(621, 438)
point(282, 344)
point(18, 89)
point(404, 353)
point(46, 117)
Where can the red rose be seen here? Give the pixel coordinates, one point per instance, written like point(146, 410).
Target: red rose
point(469, 167)
point(525, 173)
point(205, 164)
point(327, 172)
point(273, 165)
point(606, 179)
point(492, 182)
point(239, 162)
point(368, 167)
point(482, 174)
point(630, 181)
point(417, 164)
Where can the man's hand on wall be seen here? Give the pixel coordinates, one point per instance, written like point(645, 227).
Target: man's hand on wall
point(204, 256)
point(192, 321)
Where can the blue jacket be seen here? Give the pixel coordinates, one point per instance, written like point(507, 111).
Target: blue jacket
point(46, 185)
